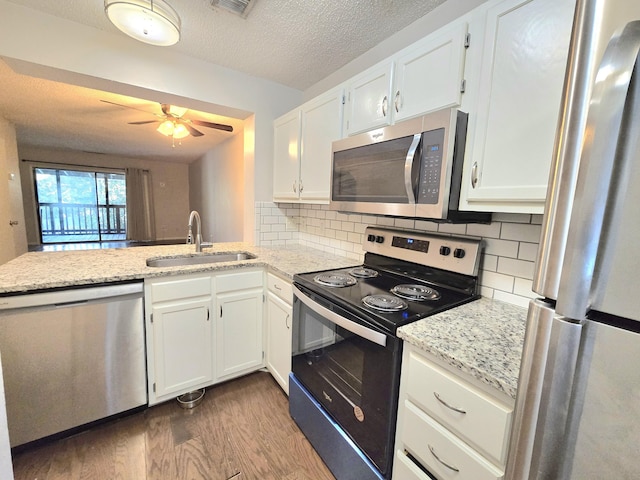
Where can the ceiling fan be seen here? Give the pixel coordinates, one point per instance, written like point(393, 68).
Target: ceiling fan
point(173, 123)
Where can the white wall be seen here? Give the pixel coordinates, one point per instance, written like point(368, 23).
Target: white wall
point(13, 239)
point(170, 186)
point(216, 184)
point(113, 62)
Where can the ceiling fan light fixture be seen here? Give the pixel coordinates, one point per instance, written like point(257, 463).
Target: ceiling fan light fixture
point(180, 131)
point(171, 128)
point(150, 21)
point(166, 128)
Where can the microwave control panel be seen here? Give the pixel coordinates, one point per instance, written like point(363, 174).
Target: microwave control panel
point(431, 167)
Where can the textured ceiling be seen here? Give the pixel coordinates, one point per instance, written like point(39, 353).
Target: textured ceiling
point(293, 42)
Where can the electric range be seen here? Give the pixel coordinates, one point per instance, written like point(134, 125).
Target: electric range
point(346, 356)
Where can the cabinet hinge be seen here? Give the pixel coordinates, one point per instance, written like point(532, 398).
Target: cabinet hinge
point(263, 298)
point(463, 86)
point(151, 318)
point(154, 387)
point(467, 40)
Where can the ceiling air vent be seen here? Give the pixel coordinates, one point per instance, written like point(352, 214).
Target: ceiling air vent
point(239, 7)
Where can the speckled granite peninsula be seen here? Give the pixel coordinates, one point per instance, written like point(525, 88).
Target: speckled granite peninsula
point(482, 339)
point(45, 270)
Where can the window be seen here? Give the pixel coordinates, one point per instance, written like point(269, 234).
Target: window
point(80, 206)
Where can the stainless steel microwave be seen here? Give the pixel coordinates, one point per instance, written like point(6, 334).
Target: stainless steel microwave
point(410, 169)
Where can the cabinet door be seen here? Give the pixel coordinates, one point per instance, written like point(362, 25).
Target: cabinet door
point(183, 351)
point(429, 74)
point(239, 332)
point(368, 102)
point(521, 80)
point(321, 125)
point(278, 350)
point(286, 157)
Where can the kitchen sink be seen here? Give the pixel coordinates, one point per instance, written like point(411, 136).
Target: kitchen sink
point(199, 259)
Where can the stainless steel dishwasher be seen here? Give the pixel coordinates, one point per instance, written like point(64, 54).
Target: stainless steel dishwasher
point(70, 357)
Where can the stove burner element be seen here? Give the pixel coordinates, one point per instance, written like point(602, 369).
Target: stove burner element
point(385, 303)
point(334, 280)
point(416, 293)
point(363, 272)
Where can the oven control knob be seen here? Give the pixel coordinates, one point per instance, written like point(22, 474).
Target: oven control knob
point(445, 250)
point(371, 238)
point(379, 239)
point(458, 253)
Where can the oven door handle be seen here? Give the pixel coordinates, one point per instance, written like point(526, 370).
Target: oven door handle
point(353, 327)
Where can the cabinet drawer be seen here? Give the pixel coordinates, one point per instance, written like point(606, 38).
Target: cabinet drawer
point(180, 288)
point(230, 282)
point(440, 452)
point(486, 422)
point(405, 469)
point(280, 288)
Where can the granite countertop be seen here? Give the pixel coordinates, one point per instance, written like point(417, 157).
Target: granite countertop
point(37, 271)
point(482, 339)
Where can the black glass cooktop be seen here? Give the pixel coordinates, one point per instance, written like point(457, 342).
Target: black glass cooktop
point(458, 290)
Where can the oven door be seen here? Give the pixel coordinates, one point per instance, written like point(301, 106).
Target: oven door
point(351, 369)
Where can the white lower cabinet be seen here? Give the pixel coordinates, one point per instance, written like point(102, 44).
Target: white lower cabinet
point(447, 426)
point(239, 298)
point(190, 345)
point(279, 316)
point(179, 329)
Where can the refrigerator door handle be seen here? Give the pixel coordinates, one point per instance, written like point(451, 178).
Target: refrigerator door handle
point(547, 375)
point(596, 182)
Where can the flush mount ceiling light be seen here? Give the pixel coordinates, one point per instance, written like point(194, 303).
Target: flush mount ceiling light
point(150, 21)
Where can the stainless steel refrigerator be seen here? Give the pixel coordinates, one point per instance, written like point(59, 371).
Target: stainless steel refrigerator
point(577, 413)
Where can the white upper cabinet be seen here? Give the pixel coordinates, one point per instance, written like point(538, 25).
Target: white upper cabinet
point(286, 158)
point(421, 78)
point(368, 99)
point(321, 126)
point(302, 149)
point(522, 69)
point(429, 75)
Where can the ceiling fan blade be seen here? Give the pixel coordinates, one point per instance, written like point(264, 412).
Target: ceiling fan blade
point(133, 108)
point(219, 126)
point(192, 131)
point(144, 122)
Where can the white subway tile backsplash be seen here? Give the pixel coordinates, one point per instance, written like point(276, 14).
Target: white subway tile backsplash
point(528, 251)
point(523, 287)
point(498, 281)
point(501, 248)
point(521, 233)
point(452, 229)
point(515, 268)
point(511, 298)
point(491, 230)
point(511, 240)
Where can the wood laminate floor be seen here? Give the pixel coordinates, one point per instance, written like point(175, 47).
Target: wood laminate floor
point(242, 430)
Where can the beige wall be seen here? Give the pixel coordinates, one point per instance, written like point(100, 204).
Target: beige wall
point(170, 186)
point(216, 187)
point(13, 239)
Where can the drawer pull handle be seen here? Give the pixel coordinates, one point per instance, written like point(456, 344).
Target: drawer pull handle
point(277, 287)
point(438, 459)
point(455, 409)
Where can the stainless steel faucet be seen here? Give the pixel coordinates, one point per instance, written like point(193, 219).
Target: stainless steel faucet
point(198, 240)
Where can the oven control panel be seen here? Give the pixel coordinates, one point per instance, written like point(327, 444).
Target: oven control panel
point(455, 254)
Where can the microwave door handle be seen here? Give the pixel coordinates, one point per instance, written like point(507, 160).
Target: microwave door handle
point(353, 327)
point(408, 167)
